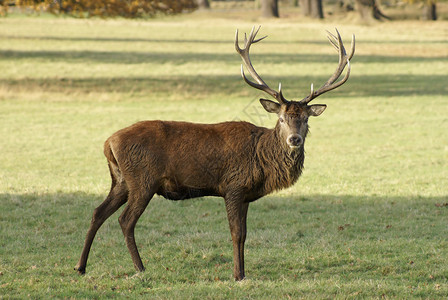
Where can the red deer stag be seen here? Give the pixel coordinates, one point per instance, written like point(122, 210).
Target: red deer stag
point(238, 161)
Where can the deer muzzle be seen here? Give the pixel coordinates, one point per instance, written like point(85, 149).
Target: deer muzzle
point(294, 140)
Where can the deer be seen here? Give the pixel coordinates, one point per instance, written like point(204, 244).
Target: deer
point(236, 160)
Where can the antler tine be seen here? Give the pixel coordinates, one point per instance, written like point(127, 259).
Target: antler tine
point(352, 47)
point(244, 53)
point(255, 34)
point(251, 36)
point(281, 93)
point(344, 60)
point(331, 38)
point(342, 52)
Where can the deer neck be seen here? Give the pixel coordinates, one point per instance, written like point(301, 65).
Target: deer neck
point(281, 165)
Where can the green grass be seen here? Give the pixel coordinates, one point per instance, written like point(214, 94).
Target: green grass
point(366, 219)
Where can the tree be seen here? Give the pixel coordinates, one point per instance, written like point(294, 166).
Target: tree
point(312, 8)
point(203, 4)
point(429, 10)
point(109, 8)
point(269, 8)
point(369, 9)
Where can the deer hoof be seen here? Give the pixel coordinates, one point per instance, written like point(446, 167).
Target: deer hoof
point(240, 278)
point(81, 270)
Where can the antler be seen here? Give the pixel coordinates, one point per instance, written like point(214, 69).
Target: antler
point(244, 53)
point(344, 60)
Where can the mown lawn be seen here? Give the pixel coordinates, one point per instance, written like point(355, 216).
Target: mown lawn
point(368, 218)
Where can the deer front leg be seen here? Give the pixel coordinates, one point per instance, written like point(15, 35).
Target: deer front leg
point(237, 214)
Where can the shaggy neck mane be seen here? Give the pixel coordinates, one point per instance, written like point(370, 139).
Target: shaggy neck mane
point(280, 165)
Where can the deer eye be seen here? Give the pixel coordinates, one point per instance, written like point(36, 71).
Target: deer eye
point(281, 119)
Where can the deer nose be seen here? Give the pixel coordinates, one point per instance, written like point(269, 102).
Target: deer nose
point(294, 140)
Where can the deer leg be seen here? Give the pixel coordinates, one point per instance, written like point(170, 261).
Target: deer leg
point(236, 214)
point(243, 233)
point(118, 196)
point(136, 206)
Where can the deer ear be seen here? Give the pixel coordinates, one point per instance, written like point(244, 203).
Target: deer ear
point(270, 106)
point(316, 109)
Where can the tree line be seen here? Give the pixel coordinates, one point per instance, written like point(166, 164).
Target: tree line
point(367, 9)
point(106, 8)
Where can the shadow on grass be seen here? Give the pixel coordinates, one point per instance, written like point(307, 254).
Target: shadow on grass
point(70, 213)
point(201, 87)
point(134, 57)
point(204, 41)
point(190, 240)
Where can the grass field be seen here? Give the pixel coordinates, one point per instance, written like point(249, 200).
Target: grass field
point(368, 218)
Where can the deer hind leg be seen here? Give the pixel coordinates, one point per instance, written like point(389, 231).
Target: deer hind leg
point(138, 201)
point(118, 196)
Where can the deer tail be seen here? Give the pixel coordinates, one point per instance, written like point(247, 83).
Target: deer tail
point(112, 161)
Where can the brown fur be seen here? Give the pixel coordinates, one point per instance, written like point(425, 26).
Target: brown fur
point(238, 161)
point(187, 160)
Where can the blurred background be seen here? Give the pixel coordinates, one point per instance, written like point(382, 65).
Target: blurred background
point(366, 10)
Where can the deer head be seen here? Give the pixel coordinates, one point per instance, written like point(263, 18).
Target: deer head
point(292, 124)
